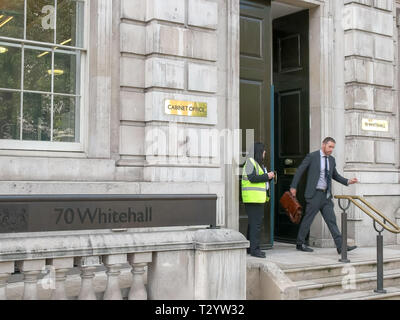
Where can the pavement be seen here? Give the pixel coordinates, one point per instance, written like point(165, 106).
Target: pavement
point(287, 257)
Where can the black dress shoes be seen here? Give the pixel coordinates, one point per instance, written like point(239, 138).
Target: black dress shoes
point(258, 254)
point(303, 247)
point(349, 248)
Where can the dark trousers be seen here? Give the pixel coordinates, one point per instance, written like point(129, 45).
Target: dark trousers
point(255, 212)
point(319, 203)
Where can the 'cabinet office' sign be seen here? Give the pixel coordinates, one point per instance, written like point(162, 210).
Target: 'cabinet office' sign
point(375, 125)
point(186, 108)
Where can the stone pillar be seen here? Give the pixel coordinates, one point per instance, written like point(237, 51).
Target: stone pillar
point(61, 266)
point(31, 270)
point(138, 261)
point(88, 265)
point(113, 264)
point(6, 268)
point(100, 97)
point(171, 276)
point(220, 265)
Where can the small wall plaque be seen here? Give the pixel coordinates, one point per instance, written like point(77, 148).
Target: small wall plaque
point(186, 108)
point(375, 125)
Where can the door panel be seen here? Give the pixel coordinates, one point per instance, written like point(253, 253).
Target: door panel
point(255, 84)
point(291, 81)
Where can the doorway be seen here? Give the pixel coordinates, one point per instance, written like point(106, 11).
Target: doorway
point(274, 101)
point(292, 110)
point(255, 91)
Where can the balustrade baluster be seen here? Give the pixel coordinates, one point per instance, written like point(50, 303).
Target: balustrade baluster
point(31, 270)
point(113, 264)
point(6, 269)
point(61, 267)
point(88, 265)
point(138, 262)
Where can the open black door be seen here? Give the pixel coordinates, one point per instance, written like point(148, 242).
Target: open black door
point(255, 88)
point(292, 133)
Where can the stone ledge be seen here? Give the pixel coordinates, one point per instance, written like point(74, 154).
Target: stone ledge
point(272, 283)
point(47, 247)
point(219, 239)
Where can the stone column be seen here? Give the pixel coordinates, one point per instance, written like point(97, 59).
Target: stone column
point(31, 270)
point(6, 268)
point(113, 264)
point(138, 261)
point(88, 265)
point(100, 46)
point(61, 266)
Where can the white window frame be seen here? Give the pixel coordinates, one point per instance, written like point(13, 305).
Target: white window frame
point(21, 145)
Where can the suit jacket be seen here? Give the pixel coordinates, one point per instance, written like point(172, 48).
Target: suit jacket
point(312, 162)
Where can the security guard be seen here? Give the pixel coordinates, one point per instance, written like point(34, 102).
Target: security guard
point(255, 184)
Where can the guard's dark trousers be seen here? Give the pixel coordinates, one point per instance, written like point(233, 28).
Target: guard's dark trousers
point(319, 203)
point(255, 212)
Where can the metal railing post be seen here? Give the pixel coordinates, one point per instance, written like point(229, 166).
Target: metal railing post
point(344, 232)
point(379, 261)
point(393, 228)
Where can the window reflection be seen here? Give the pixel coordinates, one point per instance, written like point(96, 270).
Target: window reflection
point(36, 119)
point(65, 79)
point(69, 18)
point(36, 69)
point(9, 115)
point(40, 78)
point(10, 66)
point(40, 20)
point(64, 119)
point(12, 18)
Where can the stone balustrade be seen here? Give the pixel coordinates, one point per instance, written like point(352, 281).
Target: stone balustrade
point(131, 265)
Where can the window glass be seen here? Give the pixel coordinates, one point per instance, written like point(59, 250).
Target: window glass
point(37, 69)
point(36, 118)
point(69, 19)
point(65, 72)
point(10, 106)
point(40, 20)
point(64, 119)
point(41, 45)
point(10, 66)
point(12, 18)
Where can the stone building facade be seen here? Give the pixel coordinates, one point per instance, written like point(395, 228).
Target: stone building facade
point(136, 54)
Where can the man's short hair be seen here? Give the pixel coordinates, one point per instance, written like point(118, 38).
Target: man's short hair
point(329, 139)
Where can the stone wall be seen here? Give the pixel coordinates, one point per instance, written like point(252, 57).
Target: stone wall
point(141, 52)
point(371, 92)
point(176, 50)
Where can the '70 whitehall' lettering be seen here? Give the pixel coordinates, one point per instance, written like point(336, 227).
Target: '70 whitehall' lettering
point(76, 215)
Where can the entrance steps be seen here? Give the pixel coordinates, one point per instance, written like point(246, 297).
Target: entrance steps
point(351, 281)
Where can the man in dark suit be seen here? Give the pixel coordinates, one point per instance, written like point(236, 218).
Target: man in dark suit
point(321, 170)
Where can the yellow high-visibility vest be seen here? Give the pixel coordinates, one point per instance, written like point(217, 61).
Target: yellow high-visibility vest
point(253, 192)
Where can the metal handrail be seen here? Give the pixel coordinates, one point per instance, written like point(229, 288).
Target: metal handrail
point(395, 229)
point(379, 239)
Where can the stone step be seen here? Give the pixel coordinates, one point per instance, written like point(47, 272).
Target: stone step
point(339, 269)
point(393, 293)
point(345, 284)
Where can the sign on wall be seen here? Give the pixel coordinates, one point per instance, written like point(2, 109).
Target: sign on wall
point(375, 125)
point(90, 212)
point(186, 108)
